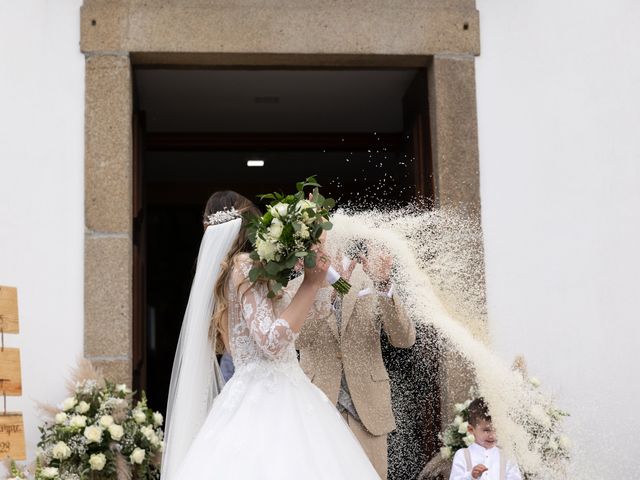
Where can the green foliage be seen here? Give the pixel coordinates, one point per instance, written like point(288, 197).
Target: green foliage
point(286, 233)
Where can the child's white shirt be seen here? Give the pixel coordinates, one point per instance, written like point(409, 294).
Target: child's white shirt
point(490, 458)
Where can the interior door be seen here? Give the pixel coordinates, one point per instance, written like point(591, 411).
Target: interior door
point(139, 333)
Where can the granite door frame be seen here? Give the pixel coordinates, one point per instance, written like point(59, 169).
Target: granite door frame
point(117, 35)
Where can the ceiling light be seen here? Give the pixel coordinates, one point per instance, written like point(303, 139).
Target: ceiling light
point(255, 163)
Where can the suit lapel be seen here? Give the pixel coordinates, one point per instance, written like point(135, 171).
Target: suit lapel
point(330, 315)
point(333, 324)
point(349, 300)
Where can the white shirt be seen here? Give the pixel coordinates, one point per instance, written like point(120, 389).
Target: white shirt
point(490, 458)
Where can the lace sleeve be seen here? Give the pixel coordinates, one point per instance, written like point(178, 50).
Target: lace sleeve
point(272, 335)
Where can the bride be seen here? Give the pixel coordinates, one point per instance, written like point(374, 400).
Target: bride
point(270, 421)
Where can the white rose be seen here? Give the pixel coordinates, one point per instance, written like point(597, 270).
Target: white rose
point(457, 421)
point(445, 452)
point(69, 403)
point(83, 407)
point(459, 407)
point(147, 432)
point(304, 205)
point(49, 472)
point(553, 445)
point(97, 461)
point(116, 432)
point(275, 229)
point(93, 434)
point(266, 250)
point(155, 440)
point(137, 456)
point(78, 421)
point(462, 428)
point(535, 382)
point(60, 417)
point(303, 232)
point(157, 419)
point(540, 416)
point(139, 416)
point(61, 451)
point(279, 210)
point(467, 403)
point(469, 439)
point(106, 421)
point(122, 388)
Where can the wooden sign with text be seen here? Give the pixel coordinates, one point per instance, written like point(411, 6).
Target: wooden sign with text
point(12, 443)
point(12, 436)
point(9, 309)
point(10, 374)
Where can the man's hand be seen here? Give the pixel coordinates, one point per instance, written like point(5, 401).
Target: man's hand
point(379, 269)
point(478, 470)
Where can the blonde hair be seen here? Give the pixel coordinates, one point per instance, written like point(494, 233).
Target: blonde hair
point(220, 201)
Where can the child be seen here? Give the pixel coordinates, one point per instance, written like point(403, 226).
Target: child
point(482, 460)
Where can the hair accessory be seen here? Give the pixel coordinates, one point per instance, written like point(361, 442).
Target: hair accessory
point(222, 216)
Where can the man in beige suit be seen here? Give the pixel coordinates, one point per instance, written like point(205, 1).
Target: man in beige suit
point(340, 353)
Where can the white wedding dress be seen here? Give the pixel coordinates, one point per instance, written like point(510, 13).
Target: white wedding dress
point(270, 421)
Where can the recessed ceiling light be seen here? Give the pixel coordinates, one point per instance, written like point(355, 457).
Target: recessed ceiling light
point(255, 163)
point(267, 99)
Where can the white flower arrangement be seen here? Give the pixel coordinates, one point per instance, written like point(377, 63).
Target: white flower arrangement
point(543, 423)
point(97, 434)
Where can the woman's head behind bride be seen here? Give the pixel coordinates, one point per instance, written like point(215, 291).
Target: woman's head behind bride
point(219, 201)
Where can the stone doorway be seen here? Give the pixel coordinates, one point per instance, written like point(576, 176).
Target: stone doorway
point(441, 37)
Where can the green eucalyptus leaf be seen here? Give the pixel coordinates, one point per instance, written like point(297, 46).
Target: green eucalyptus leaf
point(272, 268)
point(327, 225)
point(310, 260)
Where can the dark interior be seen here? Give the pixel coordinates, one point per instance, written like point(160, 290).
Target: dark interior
point(197, 129)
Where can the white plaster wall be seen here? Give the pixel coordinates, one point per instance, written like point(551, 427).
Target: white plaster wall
point(41, 192)
point(558, 96)
point(558, 87)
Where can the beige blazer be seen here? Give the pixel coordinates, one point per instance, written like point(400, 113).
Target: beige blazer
point(324, 352)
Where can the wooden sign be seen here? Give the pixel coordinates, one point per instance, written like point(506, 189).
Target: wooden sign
point(12, 436)
point(9, 309)
point(10, 374)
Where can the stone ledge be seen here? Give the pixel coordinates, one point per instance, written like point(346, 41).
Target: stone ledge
point(286, 26)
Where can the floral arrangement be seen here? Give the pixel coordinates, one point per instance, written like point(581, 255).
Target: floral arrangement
point(96, 433)
point(543, 423)
point(456, 435)
point(285, 235)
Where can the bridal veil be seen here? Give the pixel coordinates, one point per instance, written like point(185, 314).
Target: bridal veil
point(196, 378)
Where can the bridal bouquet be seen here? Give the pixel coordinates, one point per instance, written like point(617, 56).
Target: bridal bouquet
point(96, 433)
point(285, 235)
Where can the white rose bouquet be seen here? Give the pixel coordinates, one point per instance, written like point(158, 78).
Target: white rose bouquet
point(285, 235)
point(97, 433)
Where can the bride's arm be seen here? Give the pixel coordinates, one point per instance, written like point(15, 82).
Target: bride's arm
point(270, 333)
